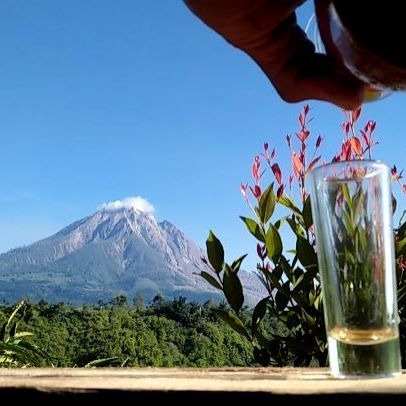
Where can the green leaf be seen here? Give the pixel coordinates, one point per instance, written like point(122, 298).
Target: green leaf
point(209, 278)
point(259, 314)
point(346, 194)
point(349, 224)
point(254, 228)
point(401, 230)
point(318, 301)
point(232, 289)
point(23, 334)
point(3, 332)
point(279, 222)
point(400, 247)
point(35, 350)
point(262, 356)
point(277, 272)
point(305, 253)
point(104, 362)
point(18, 354)
point(274, 280)
point(13, 320)
point(297, 230)
point(307, 213)
point(305, 279)
point(235, 266)
point(267, 204)
point(215, 252)
point(234, 322)
point(292, 321)
point(309, 319)
point(261, 339)
point(288, 202)
point(359, 203)
point(282, 297)
point(286, 266)
point(273, 244)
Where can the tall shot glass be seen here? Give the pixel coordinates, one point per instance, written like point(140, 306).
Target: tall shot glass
point(352, 214)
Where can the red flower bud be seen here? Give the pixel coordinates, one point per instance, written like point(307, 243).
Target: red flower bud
point(256, 191)
point(313, 163)
point(355, 115)
point(279, 192)
point(243, 190)
point(277, 173)
point(306, 109)
point(255, 169)
point(302, 120)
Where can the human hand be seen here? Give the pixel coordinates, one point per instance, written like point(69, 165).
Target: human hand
point(268, 32)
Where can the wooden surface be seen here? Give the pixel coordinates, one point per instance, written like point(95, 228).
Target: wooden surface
point(50, 385)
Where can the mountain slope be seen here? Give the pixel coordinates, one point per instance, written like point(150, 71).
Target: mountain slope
point(120, 251)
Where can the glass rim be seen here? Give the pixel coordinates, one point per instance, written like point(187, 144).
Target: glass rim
point(340, 165)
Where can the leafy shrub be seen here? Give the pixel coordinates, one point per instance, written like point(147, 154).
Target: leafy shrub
point(290, 274)
point(16, 349)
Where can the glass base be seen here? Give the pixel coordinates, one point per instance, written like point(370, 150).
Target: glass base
point(351, 361)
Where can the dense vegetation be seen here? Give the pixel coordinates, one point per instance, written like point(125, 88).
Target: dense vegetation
point(282, 224)
point(164, 333)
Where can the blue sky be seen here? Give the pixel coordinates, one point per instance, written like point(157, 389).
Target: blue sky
point(103, 99)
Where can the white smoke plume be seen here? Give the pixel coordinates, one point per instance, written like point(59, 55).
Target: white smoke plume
point(132, 202)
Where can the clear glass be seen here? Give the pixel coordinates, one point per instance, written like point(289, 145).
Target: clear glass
point(352, 214)
point(371, 92)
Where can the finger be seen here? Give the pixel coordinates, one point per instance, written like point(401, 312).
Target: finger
point(299, 73)
point(317, 76)
point(243, 21)
point(268, 32)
